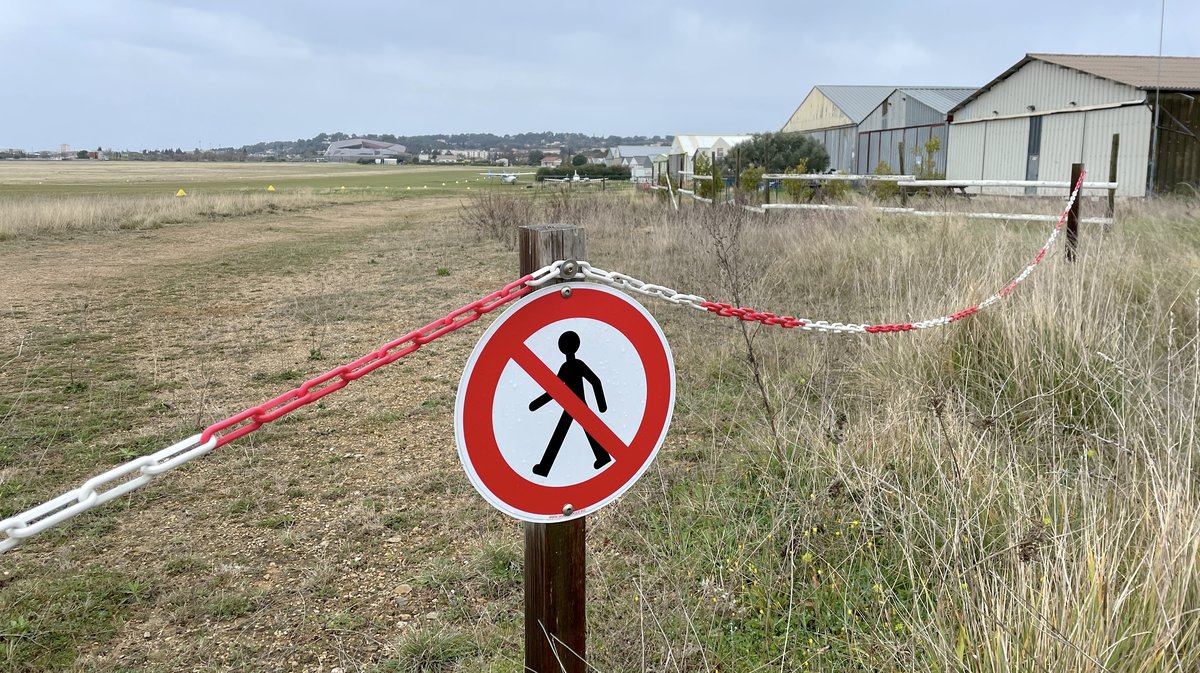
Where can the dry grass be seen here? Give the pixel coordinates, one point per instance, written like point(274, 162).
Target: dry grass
point(28, 217)
point(1017, 492)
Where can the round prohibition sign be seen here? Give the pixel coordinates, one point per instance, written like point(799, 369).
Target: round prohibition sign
point(556, 348)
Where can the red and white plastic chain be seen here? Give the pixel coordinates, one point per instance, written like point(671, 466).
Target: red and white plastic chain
point(631, 284)
point(118, 480)
point(139, 471)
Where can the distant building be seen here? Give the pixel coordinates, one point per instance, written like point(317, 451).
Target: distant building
point(362, 148)
point(685, 148)
point(622, 154)
point(551, 161)
point(1049, 111)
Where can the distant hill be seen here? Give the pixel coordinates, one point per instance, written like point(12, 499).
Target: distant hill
point(310, 147)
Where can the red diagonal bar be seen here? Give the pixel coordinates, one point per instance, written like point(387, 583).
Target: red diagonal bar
point(569, 401)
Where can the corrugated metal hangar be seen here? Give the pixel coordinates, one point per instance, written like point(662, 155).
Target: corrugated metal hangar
point(1051, 110)
point(863, 125)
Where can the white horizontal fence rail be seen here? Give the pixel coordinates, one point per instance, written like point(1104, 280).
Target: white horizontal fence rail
point(1047, 184)
point(1016, 217)
point(838, 176)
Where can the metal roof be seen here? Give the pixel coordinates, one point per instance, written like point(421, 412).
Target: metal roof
point(940, 98)
point(856, 102)
point(1144, 72)
point(689, 143)
point(641, 150)
point(1171, 73)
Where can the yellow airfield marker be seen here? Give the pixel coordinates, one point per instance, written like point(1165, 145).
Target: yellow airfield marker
point(443, 184)
point(181, 192)
point(408, 187)
point(270, 188)
point(343, 188)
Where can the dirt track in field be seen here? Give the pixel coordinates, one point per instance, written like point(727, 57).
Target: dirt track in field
point(312, 544)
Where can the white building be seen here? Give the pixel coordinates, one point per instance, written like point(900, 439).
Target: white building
point(362, 148)
point(1051, 110)
point(682, 155)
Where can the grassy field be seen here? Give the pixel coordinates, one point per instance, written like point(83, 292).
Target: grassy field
point(56, 179)
point(70, 196)
point(1017, 492)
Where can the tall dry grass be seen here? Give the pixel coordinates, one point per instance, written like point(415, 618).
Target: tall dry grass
point(1015, 492)
point(29, 217)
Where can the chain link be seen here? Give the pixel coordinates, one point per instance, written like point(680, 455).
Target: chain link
point(139, 471)
point(633, 285)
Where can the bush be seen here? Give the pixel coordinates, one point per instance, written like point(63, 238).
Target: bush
point(883, 191)
point(777, 152)
point(703, 167)
point(800, 190)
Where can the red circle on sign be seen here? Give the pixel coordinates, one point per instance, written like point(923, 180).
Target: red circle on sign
point(491, 474)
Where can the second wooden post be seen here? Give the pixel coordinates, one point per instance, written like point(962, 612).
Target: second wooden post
point(1073, 215)
point(555, 553)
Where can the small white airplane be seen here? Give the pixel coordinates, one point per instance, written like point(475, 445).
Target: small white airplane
point(575, 179)
point(505, 177)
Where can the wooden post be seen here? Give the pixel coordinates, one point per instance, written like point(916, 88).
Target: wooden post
point(903, 190)
point(1073, 214)
point(737, 178)
point(555, 553)
point(767, 167)
point(714, 179)
point(1112, 175)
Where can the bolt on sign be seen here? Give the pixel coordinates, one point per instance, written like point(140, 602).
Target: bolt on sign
point(564, 402)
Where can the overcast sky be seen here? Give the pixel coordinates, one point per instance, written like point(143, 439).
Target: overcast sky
point(135, 74)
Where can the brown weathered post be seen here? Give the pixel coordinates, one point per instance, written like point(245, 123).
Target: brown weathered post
point(903, 190)
point(714, 179)
point(555, 553)
point(1112, 175)
point(737, 176)
point(767, 166)
point(1073, 214)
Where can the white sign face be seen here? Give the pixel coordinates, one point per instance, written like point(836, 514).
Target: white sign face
point(564, 402)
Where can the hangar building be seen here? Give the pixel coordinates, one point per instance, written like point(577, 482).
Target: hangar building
point(863, 125)
point(362, 148)
point(1051, 110)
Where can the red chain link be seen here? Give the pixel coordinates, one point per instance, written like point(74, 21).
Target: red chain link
point(750, 315)
point(312, 390)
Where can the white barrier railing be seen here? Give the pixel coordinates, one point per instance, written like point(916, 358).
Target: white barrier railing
point(1016, 217)
point(1047, 184)
point(837, 176)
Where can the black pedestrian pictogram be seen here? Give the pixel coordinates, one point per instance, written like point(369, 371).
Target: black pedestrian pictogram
point(573, 373)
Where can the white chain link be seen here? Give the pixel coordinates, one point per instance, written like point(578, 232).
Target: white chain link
point(628, 283)
point(33, 521)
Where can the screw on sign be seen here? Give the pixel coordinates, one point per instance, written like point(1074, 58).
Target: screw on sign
point(552, 349)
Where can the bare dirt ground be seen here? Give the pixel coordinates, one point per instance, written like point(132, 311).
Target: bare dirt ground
point(317, 542)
